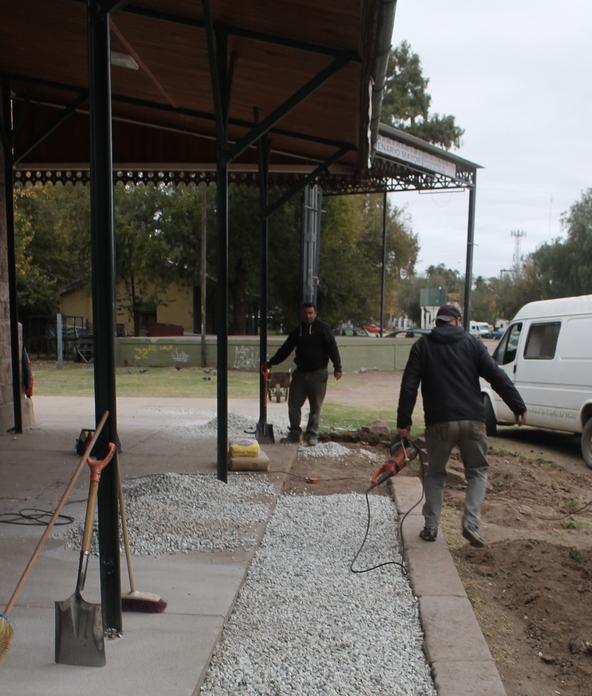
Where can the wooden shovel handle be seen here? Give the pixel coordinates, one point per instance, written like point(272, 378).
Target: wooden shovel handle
point(96, 466)
point(59, 508)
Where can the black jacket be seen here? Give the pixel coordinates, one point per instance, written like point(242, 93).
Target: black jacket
point(314, 344)
point(448, 362)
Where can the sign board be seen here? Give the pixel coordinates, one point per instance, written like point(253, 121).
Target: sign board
point(413, 155)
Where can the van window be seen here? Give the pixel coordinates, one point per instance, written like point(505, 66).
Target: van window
point(506, 350)
point(542, 341)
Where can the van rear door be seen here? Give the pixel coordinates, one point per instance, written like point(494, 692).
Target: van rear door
point(506, 355)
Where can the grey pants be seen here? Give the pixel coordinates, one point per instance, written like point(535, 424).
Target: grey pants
point(311, 386)
point(471, 439)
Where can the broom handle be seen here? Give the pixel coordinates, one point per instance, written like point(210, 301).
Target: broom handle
point(126, 546)
point(56, 513)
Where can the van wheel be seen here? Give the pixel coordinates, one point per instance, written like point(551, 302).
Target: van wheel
point(490, 421)
point(587, 443)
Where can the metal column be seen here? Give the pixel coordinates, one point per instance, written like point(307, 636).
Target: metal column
point(311, 243)
point(263, 152)
point(11, 257)
point(383, 269)
point(217, 54)
point(470, 247)
point(103, 299)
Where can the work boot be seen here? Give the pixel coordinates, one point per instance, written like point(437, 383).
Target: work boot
point(429, 533)
point(292, 438)
point(473, 537)
point(311, 439)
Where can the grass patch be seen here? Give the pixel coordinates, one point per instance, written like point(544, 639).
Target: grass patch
point(340, 417)
point(76, 379)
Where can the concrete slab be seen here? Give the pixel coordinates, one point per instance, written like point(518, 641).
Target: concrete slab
point(454, 644)
point(477, 678)
point(167, 654)
point(162, 654)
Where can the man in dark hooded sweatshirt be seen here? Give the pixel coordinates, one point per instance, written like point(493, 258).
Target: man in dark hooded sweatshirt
point(315, 345)
point(448, 362)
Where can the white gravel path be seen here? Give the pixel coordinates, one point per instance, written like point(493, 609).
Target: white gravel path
point(172, 513)
point(305, 624)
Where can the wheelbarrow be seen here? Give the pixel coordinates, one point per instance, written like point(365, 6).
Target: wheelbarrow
point(278, 386)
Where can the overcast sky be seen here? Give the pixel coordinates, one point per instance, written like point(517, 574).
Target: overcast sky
point(517, 76)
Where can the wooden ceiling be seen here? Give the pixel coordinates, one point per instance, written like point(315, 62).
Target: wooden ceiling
point(163, 112)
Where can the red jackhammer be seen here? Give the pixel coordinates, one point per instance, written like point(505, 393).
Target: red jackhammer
point(402, 452)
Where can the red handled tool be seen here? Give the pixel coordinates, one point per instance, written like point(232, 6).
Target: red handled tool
point(264, 430)
point(402, 453)
point(79, 636)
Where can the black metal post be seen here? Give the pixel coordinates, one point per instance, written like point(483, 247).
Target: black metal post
point(470, 247)
point(383, 269)
point(217, 55)
point(11, 257)
point(103, 299)
point(263, 153)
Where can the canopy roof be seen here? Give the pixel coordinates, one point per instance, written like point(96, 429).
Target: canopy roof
point(163, 110)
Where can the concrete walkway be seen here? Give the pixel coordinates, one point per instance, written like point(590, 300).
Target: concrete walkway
point(168, 654)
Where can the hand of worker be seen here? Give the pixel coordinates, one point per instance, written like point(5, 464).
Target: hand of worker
point(265, 367)
point(404, 433)
point(520, 418)
point(337, 375)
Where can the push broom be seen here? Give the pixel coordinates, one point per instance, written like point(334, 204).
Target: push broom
point(146, 602)
point(6, 630)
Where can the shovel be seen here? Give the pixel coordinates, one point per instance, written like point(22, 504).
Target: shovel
point(79, 635)
point(264, 430)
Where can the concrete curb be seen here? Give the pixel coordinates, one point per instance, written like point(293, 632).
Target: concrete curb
point(454, 644)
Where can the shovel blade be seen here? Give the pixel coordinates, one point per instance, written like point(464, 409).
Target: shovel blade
point(79, 636)
point(264, 434)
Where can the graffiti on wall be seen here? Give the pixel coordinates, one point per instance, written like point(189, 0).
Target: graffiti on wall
point(246, 358)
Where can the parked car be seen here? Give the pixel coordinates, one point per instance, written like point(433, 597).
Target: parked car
point(351, 331)
point(408, 333)
point(547, 353)
point(497, 333)
point(372, 329)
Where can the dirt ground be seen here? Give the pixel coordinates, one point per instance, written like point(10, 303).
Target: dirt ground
point(531, 585)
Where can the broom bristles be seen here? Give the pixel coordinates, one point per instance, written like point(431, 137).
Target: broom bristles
point(145, 602)
point(6, 633)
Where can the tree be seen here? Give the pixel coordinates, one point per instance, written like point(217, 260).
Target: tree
point(52, 240)
point(406, 101)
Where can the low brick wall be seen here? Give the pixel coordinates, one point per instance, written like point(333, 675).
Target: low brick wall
point(243, 352)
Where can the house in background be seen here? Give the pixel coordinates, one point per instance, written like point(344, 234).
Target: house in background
point(170, 315)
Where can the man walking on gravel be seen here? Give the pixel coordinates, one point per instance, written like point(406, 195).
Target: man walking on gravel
point(315, 345)
point(448, 362)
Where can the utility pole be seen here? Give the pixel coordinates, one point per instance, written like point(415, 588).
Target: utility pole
point(518, 235)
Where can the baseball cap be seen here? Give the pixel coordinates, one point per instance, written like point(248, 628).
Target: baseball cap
point(448, 313)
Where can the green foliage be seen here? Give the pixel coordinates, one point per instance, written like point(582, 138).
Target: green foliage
point(52, 242)
point(406, 102)
point(351, 258)
point(435, 277)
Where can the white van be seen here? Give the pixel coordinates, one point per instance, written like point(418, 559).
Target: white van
point(547, 353)
point(480, 329)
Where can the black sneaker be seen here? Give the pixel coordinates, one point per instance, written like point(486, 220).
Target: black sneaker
point(429, 533)
point(473, 537)
point(311, 440)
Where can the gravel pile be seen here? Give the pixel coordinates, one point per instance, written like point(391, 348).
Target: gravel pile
point(371, 456)
point(172, 513)
point(239, 426)
point(324, 449)
point(304, 624)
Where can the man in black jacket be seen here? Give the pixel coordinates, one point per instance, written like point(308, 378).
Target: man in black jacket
point(448, 362)
point(314, 344)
